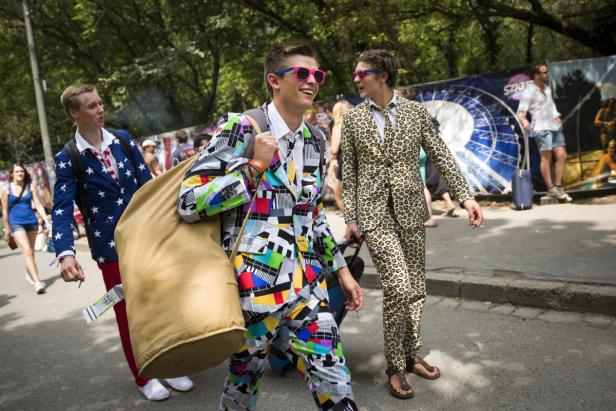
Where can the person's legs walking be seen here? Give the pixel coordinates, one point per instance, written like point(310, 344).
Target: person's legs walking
point(246, 366)
point(413, 244)
point(428, 197)
point(111, 277)
point(22, 238)
point(451, 207)
point(316, 352)
point(388, 256)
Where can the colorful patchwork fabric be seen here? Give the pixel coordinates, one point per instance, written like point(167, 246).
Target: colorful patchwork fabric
point(287, 247)
point(311, 343)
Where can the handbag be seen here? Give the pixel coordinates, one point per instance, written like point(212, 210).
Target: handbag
point(522, 182)
point(180, 287)
point(12, 244)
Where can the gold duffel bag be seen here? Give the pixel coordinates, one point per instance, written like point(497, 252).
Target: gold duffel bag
point(181, 293)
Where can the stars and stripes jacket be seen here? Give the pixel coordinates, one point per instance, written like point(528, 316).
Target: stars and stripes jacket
point(106, 199)
point(287, 246)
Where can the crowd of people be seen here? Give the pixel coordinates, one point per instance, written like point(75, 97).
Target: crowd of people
point(385, 160)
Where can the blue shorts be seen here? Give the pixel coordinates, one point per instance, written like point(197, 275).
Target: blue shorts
point(24, 227)
point(548, 140)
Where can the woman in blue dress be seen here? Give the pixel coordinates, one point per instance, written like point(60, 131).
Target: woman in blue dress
point(20, 221)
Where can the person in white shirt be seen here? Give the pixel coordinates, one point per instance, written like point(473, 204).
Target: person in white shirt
point(546, 128)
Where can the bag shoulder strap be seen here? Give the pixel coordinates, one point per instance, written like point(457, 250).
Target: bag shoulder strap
point(12, 204)
point(126, 148)
point(80, 195)
point(258, 116)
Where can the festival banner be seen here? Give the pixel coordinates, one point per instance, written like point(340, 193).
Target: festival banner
point(476, 117)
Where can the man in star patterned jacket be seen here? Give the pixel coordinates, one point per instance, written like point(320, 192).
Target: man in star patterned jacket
point(110, 180)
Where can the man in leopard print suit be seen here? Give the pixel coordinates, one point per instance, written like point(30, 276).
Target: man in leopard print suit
point(383, 196)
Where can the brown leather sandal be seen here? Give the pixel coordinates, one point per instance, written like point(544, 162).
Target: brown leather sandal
point(410, 367)
point(404, 385)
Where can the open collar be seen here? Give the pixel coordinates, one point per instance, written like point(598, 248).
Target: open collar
point(392, 103)
point(83, 144)
point(279, 127)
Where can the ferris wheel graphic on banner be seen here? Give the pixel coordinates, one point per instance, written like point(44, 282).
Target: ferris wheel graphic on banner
point(480, 131)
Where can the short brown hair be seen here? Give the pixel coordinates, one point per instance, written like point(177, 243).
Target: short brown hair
point(536, 69)
point(181, 136)
point(384, 60)
point(277, 54)
point(70, 96)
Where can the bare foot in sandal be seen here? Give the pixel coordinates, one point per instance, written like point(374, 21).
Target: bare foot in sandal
point(399, 386)
point(420, 367)
point(451, 212)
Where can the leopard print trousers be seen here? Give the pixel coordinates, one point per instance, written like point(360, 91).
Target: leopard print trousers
point(399, 256)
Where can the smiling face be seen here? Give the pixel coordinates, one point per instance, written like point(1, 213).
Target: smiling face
point(372, 83)
point(91, 113)
point(18, 174)
point(295, 94)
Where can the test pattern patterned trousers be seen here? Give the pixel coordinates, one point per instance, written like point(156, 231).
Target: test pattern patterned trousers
point(314, 348)
point(399, 257)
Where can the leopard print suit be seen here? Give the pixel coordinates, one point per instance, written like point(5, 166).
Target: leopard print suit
point(383, 193)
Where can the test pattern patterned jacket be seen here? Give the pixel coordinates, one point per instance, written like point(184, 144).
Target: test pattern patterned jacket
point(374, 172)
point(287, 247)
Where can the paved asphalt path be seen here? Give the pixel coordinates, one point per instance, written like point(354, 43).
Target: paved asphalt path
point(491, 359)
point(569, 242)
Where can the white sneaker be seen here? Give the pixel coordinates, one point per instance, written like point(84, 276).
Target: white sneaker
point(563, 195)
point(182, 384)
point(39, 287)
point(154, 390)
point(29, 280)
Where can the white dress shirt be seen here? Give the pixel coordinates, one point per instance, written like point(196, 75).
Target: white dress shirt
point(541, 107)
point(377, 114)
point(83, 144)
point(281, 131)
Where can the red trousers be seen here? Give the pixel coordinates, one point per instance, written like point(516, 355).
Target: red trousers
point(111, 276)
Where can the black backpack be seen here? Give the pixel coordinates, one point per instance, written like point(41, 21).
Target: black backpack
point(78, 171)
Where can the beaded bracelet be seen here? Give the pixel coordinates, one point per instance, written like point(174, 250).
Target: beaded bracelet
point(252, 179)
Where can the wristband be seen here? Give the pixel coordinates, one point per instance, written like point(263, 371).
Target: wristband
point(257, 164)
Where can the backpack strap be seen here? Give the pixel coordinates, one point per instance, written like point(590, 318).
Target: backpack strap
point(80, 194)
point(126, 148)
point(258, 115)
point(78, 170)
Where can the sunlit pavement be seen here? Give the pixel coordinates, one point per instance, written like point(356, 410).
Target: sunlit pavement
point(491, 356)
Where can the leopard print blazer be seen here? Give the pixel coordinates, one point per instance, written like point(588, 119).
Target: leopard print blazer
point(372, 173)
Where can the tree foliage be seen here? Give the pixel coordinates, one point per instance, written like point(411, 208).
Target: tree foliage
point(163, 64)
